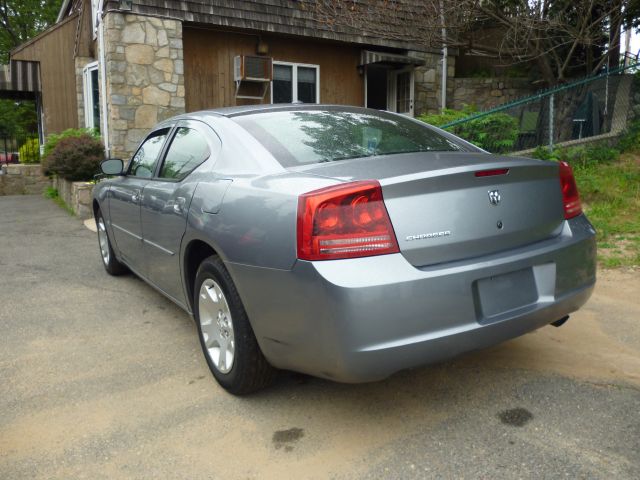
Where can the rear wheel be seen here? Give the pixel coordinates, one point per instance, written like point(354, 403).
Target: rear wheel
point(227, 339)
point(109, 260)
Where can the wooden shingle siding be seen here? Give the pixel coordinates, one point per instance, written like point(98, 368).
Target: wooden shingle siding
point(291, 18)
point(54, 49)
point(208, 63)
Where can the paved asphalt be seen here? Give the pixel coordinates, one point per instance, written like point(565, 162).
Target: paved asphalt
point(101, 377)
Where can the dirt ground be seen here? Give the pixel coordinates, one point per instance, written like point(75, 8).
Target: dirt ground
point(101, 377)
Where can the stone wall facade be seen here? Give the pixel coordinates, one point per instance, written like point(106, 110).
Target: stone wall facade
point(18, 179)
point(486, 93)
point(145, 76)
point(428, 81)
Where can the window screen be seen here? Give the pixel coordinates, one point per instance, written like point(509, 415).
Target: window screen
point(307, 84)
point(282, 84)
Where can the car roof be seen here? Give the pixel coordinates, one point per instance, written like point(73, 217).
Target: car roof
point(251, 109)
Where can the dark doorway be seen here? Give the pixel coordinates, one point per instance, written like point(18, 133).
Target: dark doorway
point(376, 87)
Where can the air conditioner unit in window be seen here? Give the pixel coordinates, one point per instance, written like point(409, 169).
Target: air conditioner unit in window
point(252, 69)
point(252, 76)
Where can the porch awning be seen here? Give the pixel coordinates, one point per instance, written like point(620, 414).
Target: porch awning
point(368, 57)
point(20, 76)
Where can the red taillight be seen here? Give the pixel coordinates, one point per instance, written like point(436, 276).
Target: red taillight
point(344, 221)
point(570, 196)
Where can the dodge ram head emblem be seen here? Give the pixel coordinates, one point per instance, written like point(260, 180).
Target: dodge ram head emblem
point(494, 197)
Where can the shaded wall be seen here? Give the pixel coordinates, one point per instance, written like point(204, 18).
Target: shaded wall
point(209, 57)
point(54, 49)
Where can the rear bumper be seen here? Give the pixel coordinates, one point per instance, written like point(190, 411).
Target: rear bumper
point(363, 319)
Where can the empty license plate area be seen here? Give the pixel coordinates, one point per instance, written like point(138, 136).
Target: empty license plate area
point(503, 293)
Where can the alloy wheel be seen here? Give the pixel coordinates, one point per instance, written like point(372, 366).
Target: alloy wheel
point(216, 325)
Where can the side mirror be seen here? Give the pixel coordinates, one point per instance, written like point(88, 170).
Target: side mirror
point(112, 166)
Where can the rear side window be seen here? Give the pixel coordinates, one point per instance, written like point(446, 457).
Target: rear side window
point(315, 136)
point(188, 149)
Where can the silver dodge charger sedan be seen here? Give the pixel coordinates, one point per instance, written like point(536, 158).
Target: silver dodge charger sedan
point(342, 242)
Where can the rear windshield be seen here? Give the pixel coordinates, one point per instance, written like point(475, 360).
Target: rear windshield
point(314, 136)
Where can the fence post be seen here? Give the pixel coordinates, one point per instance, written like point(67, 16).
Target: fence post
point(551, 115)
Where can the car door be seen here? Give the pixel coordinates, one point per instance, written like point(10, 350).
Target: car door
point(166, 200)
point(125, 195)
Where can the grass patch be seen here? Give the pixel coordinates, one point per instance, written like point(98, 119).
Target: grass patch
point(610, 193)
point(52, 194)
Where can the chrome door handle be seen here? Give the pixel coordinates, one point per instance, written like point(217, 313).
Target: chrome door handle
point(178, 206)
point(135, 198)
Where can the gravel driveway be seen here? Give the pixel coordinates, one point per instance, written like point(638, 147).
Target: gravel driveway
point(101, 377)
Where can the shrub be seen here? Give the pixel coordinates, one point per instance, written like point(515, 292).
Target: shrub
point(54, 138)
point(30, 151)
point(582, 156)
point(448, 115)
point(75, 158)
point(496, 132)
point(630, 139)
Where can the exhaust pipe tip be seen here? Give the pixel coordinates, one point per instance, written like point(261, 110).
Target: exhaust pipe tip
point(562, 321)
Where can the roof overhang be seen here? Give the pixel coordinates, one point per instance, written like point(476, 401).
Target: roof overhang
point(63, 10)
point(369, 57)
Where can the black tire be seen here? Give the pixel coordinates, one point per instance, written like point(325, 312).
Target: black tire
point(250, 371)
point(109, 260)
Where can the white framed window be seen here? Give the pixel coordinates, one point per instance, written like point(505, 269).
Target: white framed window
point(295, 82)
point(91, 95)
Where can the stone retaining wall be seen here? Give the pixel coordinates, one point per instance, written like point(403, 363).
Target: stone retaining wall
point(77, 196)
point(18, 179)
point(487, 93)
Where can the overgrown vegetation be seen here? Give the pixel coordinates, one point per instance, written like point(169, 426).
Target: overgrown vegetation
point(30, 151)
point(496, 132)
point(74, 157)
point(630, 140)
point(609, 185)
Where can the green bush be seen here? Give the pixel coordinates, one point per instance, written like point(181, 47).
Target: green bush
point(581, 157)
point(448, 115)
point(630, 139)
point(496, 132)
point(54, 138)
point(75, 158)
point(30, 151)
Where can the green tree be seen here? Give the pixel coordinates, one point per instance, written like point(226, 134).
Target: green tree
point(17, 118)
point(563, 38)
point(21, 20)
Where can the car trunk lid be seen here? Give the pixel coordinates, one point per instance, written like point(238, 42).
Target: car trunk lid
point(443, 210)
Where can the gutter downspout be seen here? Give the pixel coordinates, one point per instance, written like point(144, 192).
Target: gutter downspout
point(103, 84)
point(445, 53)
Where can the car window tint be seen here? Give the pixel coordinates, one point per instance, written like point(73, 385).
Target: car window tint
point(144, 161)
point(314, 136)
point(188, 149)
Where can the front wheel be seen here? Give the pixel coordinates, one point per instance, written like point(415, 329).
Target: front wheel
point(109, 260)
point(226, 337)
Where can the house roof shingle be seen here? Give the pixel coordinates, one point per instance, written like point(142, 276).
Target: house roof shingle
point(368, 22)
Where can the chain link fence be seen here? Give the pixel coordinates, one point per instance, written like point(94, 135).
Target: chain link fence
point(591, 109)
